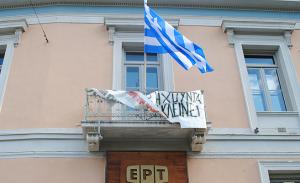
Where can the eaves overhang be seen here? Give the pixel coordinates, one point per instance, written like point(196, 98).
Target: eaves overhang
point(282, 5)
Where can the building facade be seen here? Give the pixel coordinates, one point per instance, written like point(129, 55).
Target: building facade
point(53, 128)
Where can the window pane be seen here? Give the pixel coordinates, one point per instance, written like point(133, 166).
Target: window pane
point(277, 101)
point(257, 89)
point(139, 57)
point(262, 60)
point(134, 56)
point(272, 79)
point(273, 86)
point(285, 177)
point(255, 79)
point(152, 78)
point(259, 101)
point(1, 61)
point(132, 77)
point(152, 57)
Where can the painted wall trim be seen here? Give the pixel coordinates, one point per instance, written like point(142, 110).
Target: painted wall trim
point(71, 133)
point(70, 143)
point(225, 4)
point(99, 18)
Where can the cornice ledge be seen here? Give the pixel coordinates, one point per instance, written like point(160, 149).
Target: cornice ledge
point(12, 25)
point(279, 5)
point(16, 27)
point(129, 24)
point(258, 26)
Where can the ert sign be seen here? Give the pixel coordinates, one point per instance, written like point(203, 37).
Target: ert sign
point(147, 174)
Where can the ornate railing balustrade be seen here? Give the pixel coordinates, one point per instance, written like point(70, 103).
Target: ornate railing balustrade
point(100, 109)
point(113, 126)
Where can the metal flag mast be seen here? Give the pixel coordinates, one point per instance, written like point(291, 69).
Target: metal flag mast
point(145, 65)
point(145, 73)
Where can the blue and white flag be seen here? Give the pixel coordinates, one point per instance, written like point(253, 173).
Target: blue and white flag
point(161, 37)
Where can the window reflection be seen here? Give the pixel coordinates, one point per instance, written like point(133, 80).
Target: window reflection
point(264, 83)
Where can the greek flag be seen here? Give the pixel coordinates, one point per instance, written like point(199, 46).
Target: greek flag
point(161, 37)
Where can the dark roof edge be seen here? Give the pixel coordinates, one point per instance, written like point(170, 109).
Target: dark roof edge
point(213, 4)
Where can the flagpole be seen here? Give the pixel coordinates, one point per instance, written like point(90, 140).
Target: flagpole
point(145, 73)
point(145, 63)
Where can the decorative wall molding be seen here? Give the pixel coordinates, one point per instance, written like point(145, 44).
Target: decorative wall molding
point(99, 18)
point(69, 142)
point(129, 24)
point(12, 25)
point(216, 4)
point(15, 28)
point(258, 27)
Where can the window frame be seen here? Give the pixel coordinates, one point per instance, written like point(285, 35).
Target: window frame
point(7, 46)
point(287, 75)
point(121, 40)
point(140, 65)
point(10, 37)
point(267, 166)
point(261, 68)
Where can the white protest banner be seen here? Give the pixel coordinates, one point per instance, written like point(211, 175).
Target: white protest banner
point(187, 108)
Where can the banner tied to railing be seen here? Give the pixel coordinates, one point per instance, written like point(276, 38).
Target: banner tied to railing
point(187, 108)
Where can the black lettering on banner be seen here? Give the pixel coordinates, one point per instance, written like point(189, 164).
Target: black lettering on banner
point(175, 111)
point(198, 98)
point(182, 97)
point(175, 104)
point(158, 98)
point(198, 110)
point(188, 96)
point(163, 109)
point(166, 98)
point(184, 109)
point(170, 109)
point(174, 97)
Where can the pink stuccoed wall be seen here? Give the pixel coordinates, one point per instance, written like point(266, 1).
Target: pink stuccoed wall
point(52, 170)
point(47, 81)
point(223, 170)
point(295, 52)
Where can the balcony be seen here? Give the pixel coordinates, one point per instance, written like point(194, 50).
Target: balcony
point(109, 125)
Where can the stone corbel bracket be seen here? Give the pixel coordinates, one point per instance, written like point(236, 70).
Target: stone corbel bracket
point(198, 140)
point(14, 28)
point(93, 137)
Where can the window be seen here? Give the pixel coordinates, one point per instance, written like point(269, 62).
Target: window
point(1, 61)
point(264, 83)
point(126, 35)
point(128, 65)
point(134, 66)
point(6, 51)
point(279, 171)
point(285, 177)
point(268, 76)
